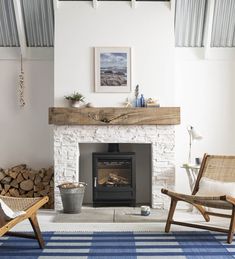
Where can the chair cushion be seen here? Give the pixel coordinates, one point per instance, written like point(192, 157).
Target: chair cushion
point(210, 187)
point(8, 213)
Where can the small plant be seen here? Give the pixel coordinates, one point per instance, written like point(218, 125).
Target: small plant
point(75, 97)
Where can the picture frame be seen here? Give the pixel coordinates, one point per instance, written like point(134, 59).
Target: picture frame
point(112, 69)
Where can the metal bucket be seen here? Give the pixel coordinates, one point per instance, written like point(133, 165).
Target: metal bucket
point(72, 196)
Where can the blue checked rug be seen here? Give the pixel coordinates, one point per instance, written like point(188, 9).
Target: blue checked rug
point(128, 245)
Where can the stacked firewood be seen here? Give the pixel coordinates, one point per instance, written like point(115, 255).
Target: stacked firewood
point(113, 180)
point(21, 181)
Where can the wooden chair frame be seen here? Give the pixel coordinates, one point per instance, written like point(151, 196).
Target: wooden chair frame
point(31, 214)
point(200, 202)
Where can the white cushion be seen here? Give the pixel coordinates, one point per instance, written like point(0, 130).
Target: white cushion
point(209, 187)
point(8, 212)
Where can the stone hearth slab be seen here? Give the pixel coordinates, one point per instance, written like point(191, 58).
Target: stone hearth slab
point(110, 215)
point(87, 215)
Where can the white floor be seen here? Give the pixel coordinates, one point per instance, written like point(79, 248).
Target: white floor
point(46, 223)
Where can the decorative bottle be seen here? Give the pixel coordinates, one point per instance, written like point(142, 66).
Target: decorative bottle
point(137, 99)
point(142, 101)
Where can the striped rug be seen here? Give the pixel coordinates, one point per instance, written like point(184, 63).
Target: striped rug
point(128, 245)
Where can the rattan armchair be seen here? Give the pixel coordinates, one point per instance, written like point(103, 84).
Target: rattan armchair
point(220, 168)
point(30, 206)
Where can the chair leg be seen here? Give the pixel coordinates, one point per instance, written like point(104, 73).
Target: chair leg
point(34, 223)
point(170, 215)
point(231, 227)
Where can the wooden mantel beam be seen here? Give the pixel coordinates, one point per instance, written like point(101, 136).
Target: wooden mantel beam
point(114, 116)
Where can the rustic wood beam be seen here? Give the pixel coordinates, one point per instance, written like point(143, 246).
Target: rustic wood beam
point(114, 116)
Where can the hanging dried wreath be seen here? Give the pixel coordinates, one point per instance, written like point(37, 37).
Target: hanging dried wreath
point(21, 84)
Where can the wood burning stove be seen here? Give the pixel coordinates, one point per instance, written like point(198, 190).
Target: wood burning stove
point(113, 179)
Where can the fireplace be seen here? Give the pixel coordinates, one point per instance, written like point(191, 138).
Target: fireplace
point(154, 126)
point(161, 138)
point(113, 178)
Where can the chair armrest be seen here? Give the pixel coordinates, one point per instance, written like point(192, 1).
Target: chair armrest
point(229, 199)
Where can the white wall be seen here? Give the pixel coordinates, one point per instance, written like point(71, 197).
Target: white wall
point(148, 29)
point(25, 136)
point(203, 89)
point(205, 92)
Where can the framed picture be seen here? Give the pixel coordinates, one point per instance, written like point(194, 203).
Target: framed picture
point(113, 69)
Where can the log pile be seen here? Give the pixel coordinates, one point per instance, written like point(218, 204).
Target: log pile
point(113, 180)
point(21, 181)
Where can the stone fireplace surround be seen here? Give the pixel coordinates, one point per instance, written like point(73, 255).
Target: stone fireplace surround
point(161, 138)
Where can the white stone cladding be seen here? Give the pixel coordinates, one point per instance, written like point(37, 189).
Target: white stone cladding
point(161, 138)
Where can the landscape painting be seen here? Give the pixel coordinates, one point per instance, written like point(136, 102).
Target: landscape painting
point(112, 69)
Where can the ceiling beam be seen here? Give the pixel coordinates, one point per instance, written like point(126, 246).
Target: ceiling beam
point(56, 4)
point(133, 4)
point(20, 27)
point(95, 4)
point(172, 6)
point(208, 28)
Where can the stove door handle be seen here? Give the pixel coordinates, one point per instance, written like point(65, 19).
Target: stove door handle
point(95, 182)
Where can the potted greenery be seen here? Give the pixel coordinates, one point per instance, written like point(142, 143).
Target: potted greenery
point(76, 99)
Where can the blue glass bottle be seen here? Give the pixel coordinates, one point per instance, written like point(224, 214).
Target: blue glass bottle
point(137, 102)
point(142, 101)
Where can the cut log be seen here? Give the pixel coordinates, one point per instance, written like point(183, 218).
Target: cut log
point(109, 183)
point(2, 175)
point(14, 183)
point(45, 183)
point(113, 179)
point(103, 180)
point(47, 188)
point(41, 173)
point(20, 178)
point(30, 194)
point(26, 185)
point(13, 174)
point(48, 174)
point(26, 174)
point(44, 192)
point(7, 187)
point(38, 187)
point(6, 180)
point(37, 180)
point(18, 167)
point(21, 192)
point(3, 192)
point(32, 175)
point(20, 181)
point(14, 192)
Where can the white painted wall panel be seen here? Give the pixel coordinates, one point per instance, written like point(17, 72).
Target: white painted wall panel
point(148, 29)
point(25, 136)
